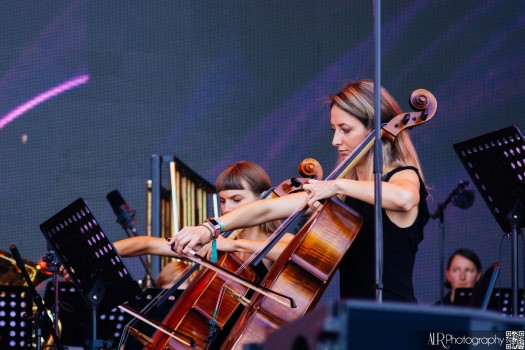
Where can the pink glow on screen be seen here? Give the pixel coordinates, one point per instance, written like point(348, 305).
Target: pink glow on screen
point(38, 99)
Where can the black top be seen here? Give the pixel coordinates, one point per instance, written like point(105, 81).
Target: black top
point(357, 268)
point(462, 297)
point(446, 300)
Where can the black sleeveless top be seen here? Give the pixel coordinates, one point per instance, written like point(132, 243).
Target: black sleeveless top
point(357, 269)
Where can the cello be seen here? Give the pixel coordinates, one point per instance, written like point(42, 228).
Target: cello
point(194, 321)
point(310, 260)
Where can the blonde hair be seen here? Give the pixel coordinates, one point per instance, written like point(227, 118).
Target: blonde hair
point(357, 99)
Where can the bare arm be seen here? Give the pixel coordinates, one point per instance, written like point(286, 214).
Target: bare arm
point(247, 246)
point(136, 246)
point(142, 245)
point(401, 193)
point(249, 215)
point(400, 196)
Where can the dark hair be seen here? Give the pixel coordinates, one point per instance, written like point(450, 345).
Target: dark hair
point(254, 176)
point(467, 254)
point(251, 173)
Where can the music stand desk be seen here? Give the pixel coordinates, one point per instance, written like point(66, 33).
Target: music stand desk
point(94, 265)
point(496, 164)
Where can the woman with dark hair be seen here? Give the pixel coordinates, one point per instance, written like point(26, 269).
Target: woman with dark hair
point(405, 212)
point(241, 183)
point(463, 271)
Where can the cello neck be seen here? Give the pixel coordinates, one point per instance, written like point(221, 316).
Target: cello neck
point(349, 162)
point(291, 221)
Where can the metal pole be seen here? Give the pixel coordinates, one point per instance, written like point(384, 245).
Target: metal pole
point(156, 185)
point(378, 157)
point(441, 260)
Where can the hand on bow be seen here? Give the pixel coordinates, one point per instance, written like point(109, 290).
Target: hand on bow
point(318, 190)
point(190, 238)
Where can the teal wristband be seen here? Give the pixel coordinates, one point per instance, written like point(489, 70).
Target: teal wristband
point(221, 224)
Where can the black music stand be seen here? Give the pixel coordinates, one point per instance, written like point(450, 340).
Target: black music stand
point(94, 265)
point(501, 299)
point(496, 164)
point(40, 319)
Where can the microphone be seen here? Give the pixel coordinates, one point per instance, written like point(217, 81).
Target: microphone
point(125, 216)
point(462, 198)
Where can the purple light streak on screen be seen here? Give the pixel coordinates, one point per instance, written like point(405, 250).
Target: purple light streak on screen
point(32, 103)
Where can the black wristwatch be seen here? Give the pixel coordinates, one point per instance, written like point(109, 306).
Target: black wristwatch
point(216, 226)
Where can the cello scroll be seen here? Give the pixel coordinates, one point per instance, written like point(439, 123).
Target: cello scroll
point(311, 168)
point(420, 100)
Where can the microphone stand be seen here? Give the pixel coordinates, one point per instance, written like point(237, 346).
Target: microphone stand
point(125, 218)
point(440, 215)
point(132, 233)
point(40, 317)
point(53, 265)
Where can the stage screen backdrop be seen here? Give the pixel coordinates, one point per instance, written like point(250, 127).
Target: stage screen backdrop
point(90, 90)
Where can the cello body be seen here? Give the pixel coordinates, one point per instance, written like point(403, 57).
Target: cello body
point(192, 313)
point(303, 272)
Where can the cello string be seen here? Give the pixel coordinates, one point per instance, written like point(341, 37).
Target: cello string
point(144, 310)
point(218, 304)
point(252, 257)
point(278, 297)
point(279, 230)
point(159, 326)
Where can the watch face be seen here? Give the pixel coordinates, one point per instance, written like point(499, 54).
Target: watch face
point(215, 224)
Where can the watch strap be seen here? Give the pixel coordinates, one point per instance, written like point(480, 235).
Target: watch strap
point(217, 226)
